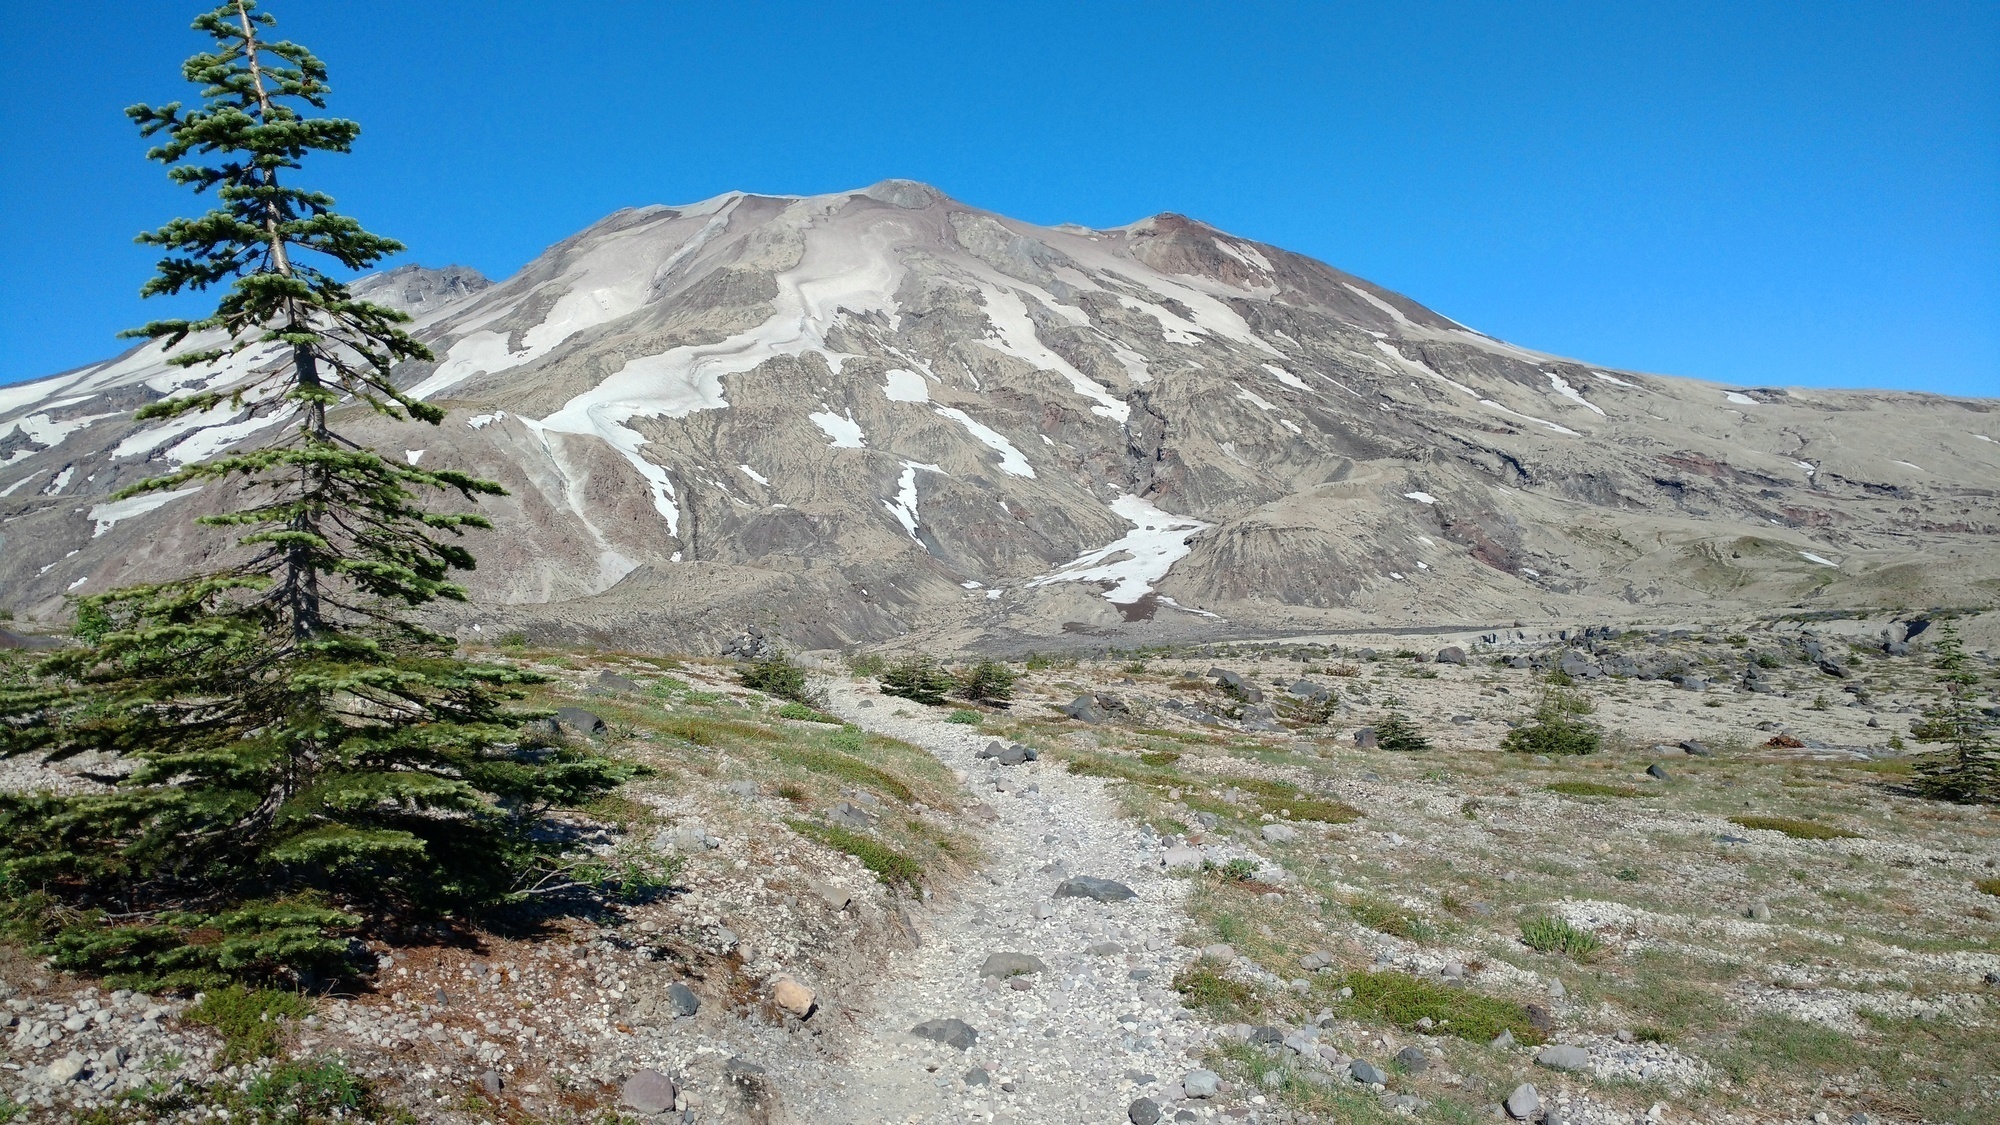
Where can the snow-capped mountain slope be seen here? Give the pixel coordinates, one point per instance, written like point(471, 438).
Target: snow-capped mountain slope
point(863, 414)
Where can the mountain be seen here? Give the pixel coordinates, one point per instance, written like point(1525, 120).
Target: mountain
point(856, 416)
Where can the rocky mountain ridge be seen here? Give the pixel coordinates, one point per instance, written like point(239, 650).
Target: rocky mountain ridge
point(872, 414)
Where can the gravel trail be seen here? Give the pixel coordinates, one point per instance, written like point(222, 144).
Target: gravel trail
point(1095, 1030)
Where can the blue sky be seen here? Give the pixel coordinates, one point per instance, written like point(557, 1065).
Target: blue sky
point(1752, 193)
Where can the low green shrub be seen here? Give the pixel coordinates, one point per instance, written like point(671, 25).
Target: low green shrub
point(988, 681)
point(1404, 1001)
point(251, 1021)
point(1556, 727)
point(805, 714)
point(1222, 998)
point(1395, 732)
point(965, 718)
point(1550, 934)
point(1592, 789)
point(777, 674)
point(1386, 917)
point(890, 866)
point(1796, 829)
point(918, 678)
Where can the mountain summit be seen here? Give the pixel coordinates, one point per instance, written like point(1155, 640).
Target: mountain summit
point(871, 413)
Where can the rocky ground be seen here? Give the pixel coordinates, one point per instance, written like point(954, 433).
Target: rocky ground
point(1735, 912)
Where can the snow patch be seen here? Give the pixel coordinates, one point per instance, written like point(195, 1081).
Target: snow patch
point(109, 513)
point(1739, 398)
point(904, 506)
point(1286, 377)
point(1420, 497)
point(10, 489)
point(1008, 315)
point(481, 421)
point(1563, 388)
point(1810, 557)
point(754, 475)
point(845, 432)
point(1011, 460)
point(905, 386)
point(414, 455)
point(1615, 380)
point(1139, 560)
point(1248, 255)
point(61, 482)
point(1254, 398)
point(1291, 425)
point(1912, 465)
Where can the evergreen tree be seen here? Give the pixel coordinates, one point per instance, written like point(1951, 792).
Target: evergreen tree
point(292, 756)
point(1557, 725)
point(1968, 768)
point(1396, 732)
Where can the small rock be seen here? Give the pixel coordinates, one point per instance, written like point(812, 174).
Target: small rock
point(1095, 889)
point(1105, 949)
point(576, 720)
point(1365, 738)
point(491, 1082)
point(1145, 1111)
point(1695, 747)
point(1523, 1102)
point(978, 1076)
point(66, 1069)
point(1221, 953)
point(1366, 1072)
point(1413, 1060)
point(648, 1091)
point(954, 1033)
point(1280, 833)
point(1451, 654)
point(1659, 771)
point(848, 815)
point(683, 1000)
point(1625, 1035)
point(1759, 911)
point(1084, 709)
point(1005, 965)
point(1563, 1057)
point(611, 683)
point(1201, 1084)
point(1180, 856)
point(793, 997)
point(1556, 989)
point(1502, 1041)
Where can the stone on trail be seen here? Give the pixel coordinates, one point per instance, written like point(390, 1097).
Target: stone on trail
point(648, 1091)
point(1145, 1111)
point(1004, 965)
point(492, 1083)
point(1563, 1057)
point(1201, 1084)
point(1221, 953)
point(1279, 833)
point(1367, 1072)
point(1095, 889)
point(1008, 753)
point(954, 1033)
point(977, 1076)
point(1180, 855)
point(793, 997)
point(1524, 1101)
point(683, 1000)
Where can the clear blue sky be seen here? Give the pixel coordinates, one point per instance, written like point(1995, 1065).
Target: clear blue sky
point(1755, 193)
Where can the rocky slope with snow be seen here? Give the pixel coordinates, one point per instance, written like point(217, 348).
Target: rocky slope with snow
point(863, 415)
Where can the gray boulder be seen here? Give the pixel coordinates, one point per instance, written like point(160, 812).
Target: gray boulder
point(1008, 753)
point(611, 683)
point(1576, 664)
point(648, 1091)
point(1201, 1084)
point(576, 720)
point(1084, 709)
point(1005, 965)
point(954, 1033)
point(1365, 738)
point(1523, 1102)
point(1557, 1056)
point(1094, 889)
point(683, 1000)
point(1451, 654)
point(1656, 770)
point(1145, 1111)
point(1697, 748)
point(1367, 1072)
point(1413, 1060)
point(1306, 689)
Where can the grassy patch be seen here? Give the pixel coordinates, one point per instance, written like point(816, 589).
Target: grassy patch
point(1160, 758)
point(704, 730)
point(1278, 1078)
point(806, 714)
point(1592, 789)
point(1796, 829)
point(1221, 997)
point(250, 1020)
point(847, 768)
point(889, 865)
point(1987, 886)
point(1282, 798)
point(965, 717)
point(1387, 917)
point(1401, 999)
point(1549, 934)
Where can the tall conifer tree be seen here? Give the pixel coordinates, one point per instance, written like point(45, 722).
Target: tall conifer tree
point(1968, 768)
point(296, 756)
